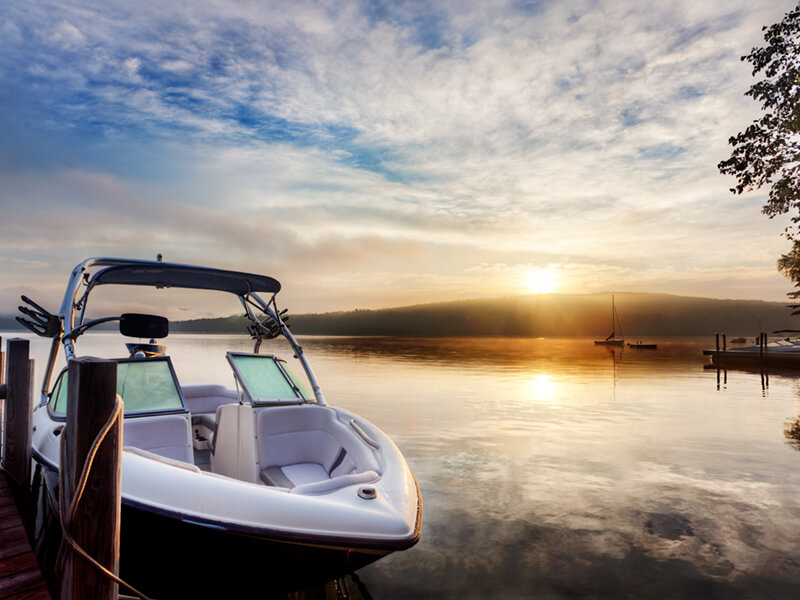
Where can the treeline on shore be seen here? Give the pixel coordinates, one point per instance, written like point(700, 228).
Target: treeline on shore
point(550, 315)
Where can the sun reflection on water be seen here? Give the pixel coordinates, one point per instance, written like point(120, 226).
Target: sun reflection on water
point(542, 387)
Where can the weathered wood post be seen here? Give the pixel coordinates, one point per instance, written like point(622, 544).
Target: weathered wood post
point(18, 413)
point(2, 392)
point(95, 520)
point(724, 342)
point(717, 336)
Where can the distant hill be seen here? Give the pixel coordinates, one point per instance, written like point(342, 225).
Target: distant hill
point(555, 315)
point(550, 315)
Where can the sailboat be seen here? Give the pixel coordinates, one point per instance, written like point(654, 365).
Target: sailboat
point(612, 339)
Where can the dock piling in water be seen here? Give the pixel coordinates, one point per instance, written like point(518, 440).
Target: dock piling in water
point(2, 374)
point(92, 508)
point(18, 413)
point(20, 576)
point(2, 392)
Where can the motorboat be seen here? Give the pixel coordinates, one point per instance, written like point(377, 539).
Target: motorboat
point(781, 353)
point(640, 345)
point(255, 483)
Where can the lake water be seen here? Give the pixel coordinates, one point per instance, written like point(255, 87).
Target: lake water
point(552, 468)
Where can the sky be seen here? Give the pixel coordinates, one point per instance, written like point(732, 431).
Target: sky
point(374, 154)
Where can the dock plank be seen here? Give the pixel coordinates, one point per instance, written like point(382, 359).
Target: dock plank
point(13, 547)
point(37, 592)
point(20, 577)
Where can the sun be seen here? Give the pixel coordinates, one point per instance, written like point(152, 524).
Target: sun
point(541, 281)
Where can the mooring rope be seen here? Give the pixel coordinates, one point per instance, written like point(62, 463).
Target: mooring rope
point(66, 520)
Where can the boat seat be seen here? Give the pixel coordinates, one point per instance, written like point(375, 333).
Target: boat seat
point(212, 422)
point(169, 436)
point(291, 475)
point(204, 399)
point(311, 478)
point(306, 449)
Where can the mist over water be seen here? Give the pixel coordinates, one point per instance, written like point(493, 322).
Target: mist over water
point(552, 468)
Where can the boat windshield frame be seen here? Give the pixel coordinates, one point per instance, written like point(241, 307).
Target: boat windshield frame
point(55, 396)
point(244, 377)
point(158, 274)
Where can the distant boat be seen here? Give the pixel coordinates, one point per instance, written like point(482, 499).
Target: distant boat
point(148, 350)
point(643, 346)
point(612, 339)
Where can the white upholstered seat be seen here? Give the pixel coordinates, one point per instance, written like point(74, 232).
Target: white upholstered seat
point(305, 448)
point(166, 435)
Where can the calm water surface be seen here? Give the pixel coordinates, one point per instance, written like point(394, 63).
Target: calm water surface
point(557, 469)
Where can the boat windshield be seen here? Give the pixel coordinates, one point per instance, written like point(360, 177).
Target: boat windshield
point(267, 379)
point(145, 385)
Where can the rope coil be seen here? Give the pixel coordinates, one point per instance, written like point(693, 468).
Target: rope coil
point(66, 519)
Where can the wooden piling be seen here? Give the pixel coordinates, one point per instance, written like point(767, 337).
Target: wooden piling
point(95, 524)
point(717, 336)
point(2, 392)
point(18, 413)
point(19, 574)
point(724, 342)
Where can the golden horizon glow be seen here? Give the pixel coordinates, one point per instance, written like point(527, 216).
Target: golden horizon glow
point(541, 281)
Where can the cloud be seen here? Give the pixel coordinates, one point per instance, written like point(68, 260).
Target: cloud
point(67, 36)
point(131, 68)
point(340, 136)
point(176, 65)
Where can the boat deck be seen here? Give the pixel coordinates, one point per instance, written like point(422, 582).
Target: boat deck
point(20, 577)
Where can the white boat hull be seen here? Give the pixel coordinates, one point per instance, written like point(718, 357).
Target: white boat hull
point(177, 518)
point(263, 487)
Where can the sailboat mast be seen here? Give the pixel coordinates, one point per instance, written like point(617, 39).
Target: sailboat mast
point(613, 320)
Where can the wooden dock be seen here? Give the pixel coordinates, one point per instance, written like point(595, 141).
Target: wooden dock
point(20, 577)
point(93, 494)
point(733, 359)
point(760, 357)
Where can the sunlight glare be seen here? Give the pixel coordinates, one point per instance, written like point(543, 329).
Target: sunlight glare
point(541, 281)
point(542, 387)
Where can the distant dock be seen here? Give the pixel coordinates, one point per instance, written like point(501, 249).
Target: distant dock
point(782, 354)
